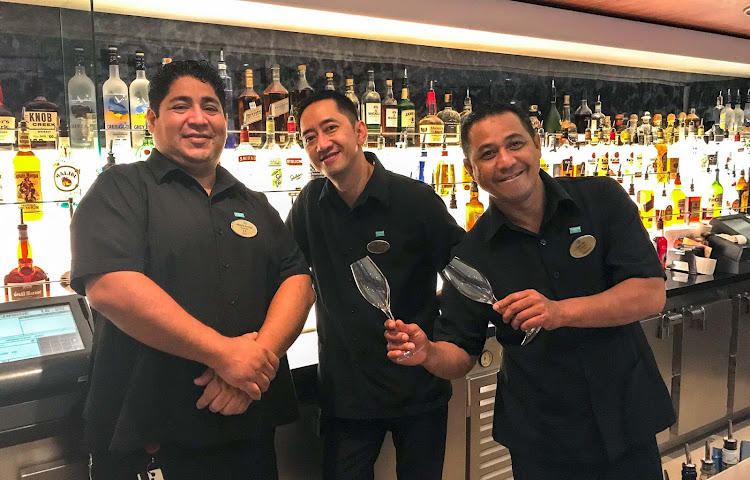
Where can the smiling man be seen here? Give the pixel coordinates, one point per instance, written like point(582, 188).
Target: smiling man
point(362, 209)
point(198, 290)
point(584, 399)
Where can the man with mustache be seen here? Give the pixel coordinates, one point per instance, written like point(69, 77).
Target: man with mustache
point(198, 290)
point(361, 209)
point(584, 399)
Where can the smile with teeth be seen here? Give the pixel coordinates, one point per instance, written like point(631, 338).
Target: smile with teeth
point(510, 177)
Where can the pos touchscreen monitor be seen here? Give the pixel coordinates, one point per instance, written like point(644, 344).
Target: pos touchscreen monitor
point(34, 332)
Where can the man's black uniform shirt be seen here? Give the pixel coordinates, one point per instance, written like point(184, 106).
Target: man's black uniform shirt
point(572, 394)
point(152, 217)
point(357, 380)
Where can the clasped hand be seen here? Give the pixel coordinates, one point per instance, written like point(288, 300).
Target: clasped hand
point(528, 309)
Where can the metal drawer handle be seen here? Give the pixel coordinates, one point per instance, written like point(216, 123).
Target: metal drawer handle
point(666, 324)
point(746, 297)
point(698, 318)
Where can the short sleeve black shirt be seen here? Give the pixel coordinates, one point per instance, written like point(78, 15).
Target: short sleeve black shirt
point(152, 217)
point(356, 378)
point(571, 394)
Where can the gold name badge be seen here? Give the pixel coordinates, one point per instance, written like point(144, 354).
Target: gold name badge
point(243, 228)
point(582, 246)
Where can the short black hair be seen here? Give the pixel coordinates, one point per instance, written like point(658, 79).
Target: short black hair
point(169, 73)
point(343, 104)
point(488, 111)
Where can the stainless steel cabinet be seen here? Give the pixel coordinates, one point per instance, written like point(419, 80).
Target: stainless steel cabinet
point(706, 333)
point(742, 356)
point(659, 330)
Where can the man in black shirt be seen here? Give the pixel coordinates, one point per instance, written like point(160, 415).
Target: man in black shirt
point(198, 290)
point(361, 209)
point(584, 399)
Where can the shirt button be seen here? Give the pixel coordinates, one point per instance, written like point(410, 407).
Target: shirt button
point(232, 301)
point(219, 231)
point(556, 275)
point(354, 310)
point(543, 242)
point(226, 265)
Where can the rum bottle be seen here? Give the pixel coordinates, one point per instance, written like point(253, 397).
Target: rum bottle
point(389, 115)
point(65, 175)
point(250, 111)
point(139, 100)
point(430, 126)
point(116, 108)
point(27, 176)
point(276, 104)
point(82, 106)
point(474, 208)
point(25, 281)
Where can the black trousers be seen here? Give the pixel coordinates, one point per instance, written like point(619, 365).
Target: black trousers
point(247, 460)
point(642, 462)
point(351, 447)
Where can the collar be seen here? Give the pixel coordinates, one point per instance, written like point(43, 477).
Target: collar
point(162, 167)
point(376, 187)
point(556, 195)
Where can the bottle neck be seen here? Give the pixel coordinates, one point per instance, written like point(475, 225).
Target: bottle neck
point(140, 74)
point(389, 91)
point(80, 70)
point(405, 93)
point(114, 71)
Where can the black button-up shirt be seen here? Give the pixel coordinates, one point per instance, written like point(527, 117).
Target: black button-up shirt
point(356, 378)
point(572, 394)
point(154, 218)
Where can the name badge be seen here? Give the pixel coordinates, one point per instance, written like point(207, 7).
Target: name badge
point(243, 228)
point(582, 246)
point(378, 246)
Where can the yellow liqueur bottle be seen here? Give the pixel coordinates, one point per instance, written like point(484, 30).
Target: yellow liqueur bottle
point(474, 208)
point(679, 202)
point(27, 176)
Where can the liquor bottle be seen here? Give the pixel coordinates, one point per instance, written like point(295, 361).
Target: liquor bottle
point(660, 241)
point(65, 175)
point(352, 96)
point(582, 115)
point(567, 127)
point(692, 122)
point(389, 115)
point(82, 106)
point(41, 120)
point(467, 107)
point(719, 116)
point(166, 60)
point(689, 471)
point(250, 110)
point(451, 122)
point(739, 113)
point(116, 110)
point(329, 81)
point(228, 102)
point(276, 104)
point(552, 124)
point(7, 126)
point(453, 204)
point(27, 176)
point(646, 202)
point(597, 118)
point(747, 110)
point(679, 203)
point(730, 454)
point(138, 100)
point(740, 186)
point(145, 148)
point(296, 167)
point(708, 469)
point(25, 281)
point(715, 202)
point(656, 129)
point(303, 88)
point(270, 137)
point(694, 205)
point(406, 114)
point(474, 208)
point(370, 105)
point(430, 126)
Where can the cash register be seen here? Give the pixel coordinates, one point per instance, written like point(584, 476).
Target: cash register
point(45, 347)
point(731, 257)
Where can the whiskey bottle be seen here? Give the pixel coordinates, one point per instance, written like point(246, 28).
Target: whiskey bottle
point(303, 88)
point(250, 111)
point(7, 126)
point(406, 114)
point(276, 104)
point(41, 119)
point(474, 208)
point(430, 126)
point(370, 104)
point(116, 109)
point(228, 100)
point(82, 106)
point(27, 177)
point(138, 100)
point(389, 115)
point(329, 81)
point(567, 127)
point(467, 107)
point(552, 123)
point(26, 280)
point(352, 96)
point(451, 121)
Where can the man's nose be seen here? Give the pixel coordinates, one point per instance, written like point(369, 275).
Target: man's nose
point(323, 142)
point(504, 159)
point(196, 116)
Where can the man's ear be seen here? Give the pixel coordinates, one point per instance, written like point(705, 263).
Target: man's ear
point(469, 167)
point(150, 120)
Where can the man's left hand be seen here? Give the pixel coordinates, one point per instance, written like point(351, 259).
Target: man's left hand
point(528, 309)
point(219, 396)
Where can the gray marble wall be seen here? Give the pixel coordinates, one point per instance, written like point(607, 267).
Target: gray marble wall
point(36, 56)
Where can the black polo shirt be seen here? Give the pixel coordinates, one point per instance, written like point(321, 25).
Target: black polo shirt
point(356, 378)
point(572, 394)
point(154, 218)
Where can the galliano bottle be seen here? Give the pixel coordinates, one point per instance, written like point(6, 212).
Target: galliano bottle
point(82, 106)
point(139, 100)
point(116, 108)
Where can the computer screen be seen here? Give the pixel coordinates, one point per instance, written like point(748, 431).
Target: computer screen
point(38, 332)
point(739, 225)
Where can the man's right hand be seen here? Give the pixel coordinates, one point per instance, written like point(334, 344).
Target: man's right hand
point(246, 364)
point(407, 342)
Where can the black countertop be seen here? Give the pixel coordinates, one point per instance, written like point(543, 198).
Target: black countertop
point(679, 283)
